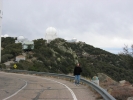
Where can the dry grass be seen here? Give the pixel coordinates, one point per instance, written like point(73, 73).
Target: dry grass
point(122, 93)
point(118, 91)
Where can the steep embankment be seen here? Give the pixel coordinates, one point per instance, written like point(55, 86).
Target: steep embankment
point(120, 90)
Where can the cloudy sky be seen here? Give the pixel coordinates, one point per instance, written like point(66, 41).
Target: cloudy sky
point(106, 24)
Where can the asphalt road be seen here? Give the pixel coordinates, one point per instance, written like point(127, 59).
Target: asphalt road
point(29, 87)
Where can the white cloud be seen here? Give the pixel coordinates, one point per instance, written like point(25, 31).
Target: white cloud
point(104, 24)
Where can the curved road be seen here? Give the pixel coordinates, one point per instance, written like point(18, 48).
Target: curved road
point(29, 87)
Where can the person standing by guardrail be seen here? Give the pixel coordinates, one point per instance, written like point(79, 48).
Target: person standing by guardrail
point(77, 71)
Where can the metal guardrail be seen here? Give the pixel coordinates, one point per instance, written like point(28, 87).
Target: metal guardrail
point(100, 90)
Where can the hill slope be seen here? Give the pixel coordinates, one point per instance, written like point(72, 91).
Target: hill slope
point(60, 56)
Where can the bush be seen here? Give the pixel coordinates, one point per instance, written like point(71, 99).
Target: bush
point(6, 57)
point(2, 66)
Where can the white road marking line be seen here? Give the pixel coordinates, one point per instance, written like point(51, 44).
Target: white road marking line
point(17, 91)
point(72, 93)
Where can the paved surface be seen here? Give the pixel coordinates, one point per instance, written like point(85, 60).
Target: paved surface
point(29, 87)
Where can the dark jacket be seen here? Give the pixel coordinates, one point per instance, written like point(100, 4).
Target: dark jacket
point(77, 70)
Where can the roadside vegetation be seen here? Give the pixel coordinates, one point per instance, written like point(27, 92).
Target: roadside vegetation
point(59, 56)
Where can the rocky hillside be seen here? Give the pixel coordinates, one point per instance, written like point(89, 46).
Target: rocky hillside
point(59, 56)
point(122, 90)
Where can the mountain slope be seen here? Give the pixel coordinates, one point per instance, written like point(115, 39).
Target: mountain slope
point(60, 56)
